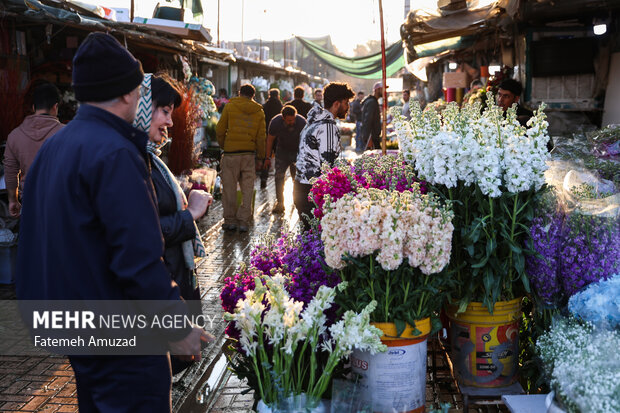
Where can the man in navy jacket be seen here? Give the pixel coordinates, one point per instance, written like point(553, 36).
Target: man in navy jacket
point(90, 229)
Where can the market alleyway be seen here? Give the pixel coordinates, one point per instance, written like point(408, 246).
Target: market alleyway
point(46, 383)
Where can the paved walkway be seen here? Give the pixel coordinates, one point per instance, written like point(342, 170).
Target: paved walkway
point(46, 383)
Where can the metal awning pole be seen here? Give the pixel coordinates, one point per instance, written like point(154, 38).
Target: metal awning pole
point(384, 78)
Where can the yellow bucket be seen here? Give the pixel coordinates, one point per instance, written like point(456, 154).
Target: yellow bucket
point(395, 380)
point(485, 346)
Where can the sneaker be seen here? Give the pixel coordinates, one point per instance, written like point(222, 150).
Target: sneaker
point(243, 228)
point(229, 227)
point(278, 208)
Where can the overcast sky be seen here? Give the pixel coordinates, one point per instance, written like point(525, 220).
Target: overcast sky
point(349, 22)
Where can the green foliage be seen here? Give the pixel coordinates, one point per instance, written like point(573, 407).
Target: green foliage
point(404, 295)
point(489, 245)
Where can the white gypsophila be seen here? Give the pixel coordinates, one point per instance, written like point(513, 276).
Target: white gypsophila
point(583, 365)
point(488, 150)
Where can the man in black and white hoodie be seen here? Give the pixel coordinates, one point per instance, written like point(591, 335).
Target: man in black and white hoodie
point(319, 143)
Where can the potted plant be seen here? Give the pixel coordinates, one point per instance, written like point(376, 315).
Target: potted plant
point(390, 248)
point(490, 168)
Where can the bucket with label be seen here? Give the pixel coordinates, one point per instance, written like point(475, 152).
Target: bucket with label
point(395, 381)
point(485, 346)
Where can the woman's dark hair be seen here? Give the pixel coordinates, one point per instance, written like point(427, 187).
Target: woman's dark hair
point(165, 90)
point(336, 91)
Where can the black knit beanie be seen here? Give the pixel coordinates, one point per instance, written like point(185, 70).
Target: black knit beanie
point(104, 70)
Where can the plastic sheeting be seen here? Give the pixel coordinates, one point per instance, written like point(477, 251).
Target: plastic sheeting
point(477, 11)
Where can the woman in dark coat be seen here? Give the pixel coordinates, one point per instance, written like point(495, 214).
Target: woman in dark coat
point(177, 215)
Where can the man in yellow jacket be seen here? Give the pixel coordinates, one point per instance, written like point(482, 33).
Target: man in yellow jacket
point(241, 135)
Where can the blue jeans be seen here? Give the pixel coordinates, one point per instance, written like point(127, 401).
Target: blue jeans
point(359, 145)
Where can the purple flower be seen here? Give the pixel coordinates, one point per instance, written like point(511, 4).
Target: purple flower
point(546, 240)
point(300, 257)
point(575, 251)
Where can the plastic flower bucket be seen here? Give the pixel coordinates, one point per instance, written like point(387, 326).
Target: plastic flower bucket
point(485, 346)
point(395, 380)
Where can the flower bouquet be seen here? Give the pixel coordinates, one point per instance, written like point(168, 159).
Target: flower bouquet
point(490, 168)
point(576, 237)
point(276, 329)
point(300, 259)
point(581, 363)
point(260, 84)
point(368, 235)
point(203, 92)
point(368, 171)
point(390, 247)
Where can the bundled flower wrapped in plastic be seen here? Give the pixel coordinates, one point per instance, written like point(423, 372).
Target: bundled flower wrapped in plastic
point(599, 304)
point(574, 248)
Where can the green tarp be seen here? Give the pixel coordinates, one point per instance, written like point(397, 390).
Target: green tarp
point(367, 67)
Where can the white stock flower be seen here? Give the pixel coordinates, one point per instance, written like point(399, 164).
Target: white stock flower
point(488, 150)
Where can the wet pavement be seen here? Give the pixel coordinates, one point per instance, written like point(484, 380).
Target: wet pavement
point(46, 383)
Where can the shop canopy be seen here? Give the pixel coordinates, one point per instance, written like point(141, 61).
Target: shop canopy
point(367, 67)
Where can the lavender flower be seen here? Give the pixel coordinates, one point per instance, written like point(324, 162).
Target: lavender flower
point(546, 233)
point(574, 251)
point(300, 258)
point(590, 252)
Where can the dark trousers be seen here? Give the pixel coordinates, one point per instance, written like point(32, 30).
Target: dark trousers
point(282, 164)
point(303, 205)
point(117, 384)
point(376, 141)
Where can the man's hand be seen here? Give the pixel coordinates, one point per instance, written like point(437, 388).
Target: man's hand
point(188, 349)
point(267, 163)
point(15, 208)
point(198, 202)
